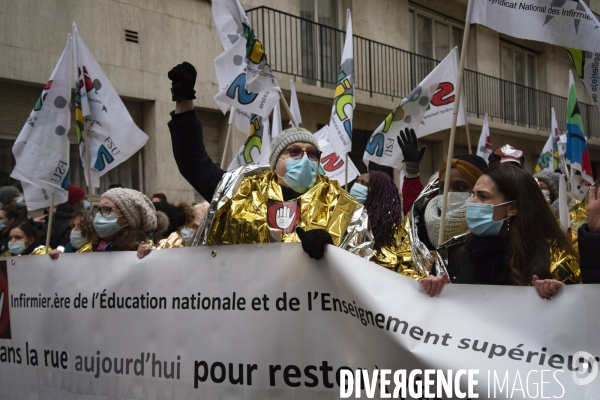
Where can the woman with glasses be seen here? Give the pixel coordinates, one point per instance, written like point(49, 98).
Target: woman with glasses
point(259, 205)
point(23, 241)
point(515, 238)
point(126, 218)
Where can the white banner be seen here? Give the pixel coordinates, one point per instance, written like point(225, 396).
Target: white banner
point(113, 135)
point(42, 147)
point(427, 109)
point(276, 127)
point(294, 105)
point(549, 159)
point(484, 147)
point(267, 322)
point(560, 22)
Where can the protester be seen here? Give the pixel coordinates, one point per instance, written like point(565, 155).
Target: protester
point(22, 241)
point(81, 230)
point(10, 216)
point(360, 188)
point(515, 239)
point(184, 221)
point(9, 195)
point(549, 184)
point(60, 233)
point(125, 218)
point(269, 203)
point(159, 198)
point(589, 239)
point(507, 154)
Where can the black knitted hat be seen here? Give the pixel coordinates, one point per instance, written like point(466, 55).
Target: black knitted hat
point(474, 159)
point(175, 214)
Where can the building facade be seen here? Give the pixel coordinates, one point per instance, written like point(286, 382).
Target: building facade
point(397, 42)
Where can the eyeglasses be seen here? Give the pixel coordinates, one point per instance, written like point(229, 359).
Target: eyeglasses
point(106, 211)
point(297, 153)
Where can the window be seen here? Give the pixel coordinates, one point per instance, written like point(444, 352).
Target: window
point(433, 36)
point(517, 69)
point(517, 65)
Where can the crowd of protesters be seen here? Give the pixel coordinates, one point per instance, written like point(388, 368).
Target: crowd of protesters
point(501, 224)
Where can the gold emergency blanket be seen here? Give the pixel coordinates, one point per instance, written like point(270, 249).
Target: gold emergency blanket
point(173, 241)
point(238, 211)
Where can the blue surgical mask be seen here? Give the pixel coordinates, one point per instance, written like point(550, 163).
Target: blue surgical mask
point(106, 226)
point(86, 205)
point(77, 239)
point(359, 192)
point(188, 235)
point(301, 174)
point(480, 219)
point(20, 201)
point(16, 248)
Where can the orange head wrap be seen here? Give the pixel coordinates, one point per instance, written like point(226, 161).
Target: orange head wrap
point(470, 171)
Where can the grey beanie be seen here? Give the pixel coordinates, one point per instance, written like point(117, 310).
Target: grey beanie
point(552, 180)
point(287, 137)
point(7, 194)
point(137, 208)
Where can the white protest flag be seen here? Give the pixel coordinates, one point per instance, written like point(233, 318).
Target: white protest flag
point(587, 65)
point(563, 207)
point(259, 76)
point(256, 150)
point(549, 159)
point(340, 132)
point(426, 109)
point(484, 147)
point(294, 105)
point(276, 127)
point(112, 134)
point(240, 119)
point(333, 163)
point(42, 147)
point(559, 22)
point(230, 69)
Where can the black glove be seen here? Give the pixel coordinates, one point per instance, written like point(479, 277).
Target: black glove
point(184, 79)
point(314, 241)
point(410, 149)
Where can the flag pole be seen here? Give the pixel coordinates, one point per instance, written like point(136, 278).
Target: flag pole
point(226, 145)
point(346, 186)
point(88, 169)
point(50, 215)
point(459, 86)
point(468, 137)
point(287, 109)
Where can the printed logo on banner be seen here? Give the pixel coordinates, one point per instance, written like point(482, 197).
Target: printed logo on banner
point(4, 314)
point(283, 215)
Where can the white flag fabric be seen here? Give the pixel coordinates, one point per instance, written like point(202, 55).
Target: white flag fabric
point(559, 22)
point(112, 134)
point(587, 66)
point(340, 132)
point(549, 159)
point(256, 150)
point(231, 74)
point(563, 207)
point(42, 147)
point(240, 119)
point(227, 27)
point(276, 127)
point(333, 163)
point(484, 147)
point(426, 109)
point(259, 76)
point(294, 105)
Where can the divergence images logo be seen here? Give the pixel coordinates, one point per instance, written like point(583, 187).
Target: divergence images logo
point(4, 315)
point(587, 370)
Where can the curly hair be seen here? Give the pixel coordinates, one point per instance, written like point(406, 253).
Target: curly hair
point(384, 209)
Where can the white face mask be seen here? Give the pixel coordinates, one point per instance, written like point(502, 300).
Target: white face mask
point(546, 194)
point(187, 235)
point(455, 201)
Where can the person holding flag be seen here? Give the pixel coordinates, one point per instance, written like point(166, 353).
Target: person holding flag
point(287, 202)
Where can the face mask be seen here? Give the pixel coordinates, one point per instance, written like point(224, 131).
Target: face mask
point(455, 201)
point(77, 240)
point(359, 192)
point(2, 225)
point(301, 174)
point(106, 226)
point(187, 234)
point(16, 248)
point(20, 201)
point(546, 194)
point(480, 219)
point(86, 205)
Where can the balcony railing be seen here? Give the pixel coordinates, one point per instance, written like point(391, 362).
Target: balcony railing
point(312, 51)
